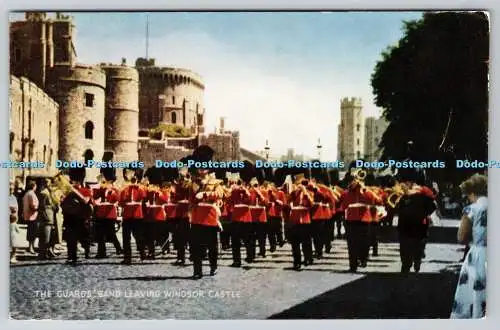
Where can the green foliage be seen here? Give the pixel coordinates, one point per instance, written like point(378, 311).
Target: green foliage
point(433, 87)
point(171, 130)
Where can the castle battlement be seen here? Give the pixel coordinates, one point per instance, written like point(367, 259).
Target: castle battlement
point(82, 74)
point(173, 75)
point(351, 102)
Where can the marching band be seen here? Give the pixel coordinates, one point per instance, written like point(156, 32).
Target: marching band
point(195, 212)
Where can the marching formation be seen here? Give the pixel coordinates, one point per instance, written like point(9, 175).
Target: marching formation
point(199, 213)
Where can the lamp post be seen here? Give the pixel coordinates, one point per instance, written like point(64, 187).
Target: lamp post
point(319, 146)
point(266, 149)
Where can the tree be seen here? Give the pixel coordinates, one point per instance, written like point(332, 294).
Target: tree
point(433, 87)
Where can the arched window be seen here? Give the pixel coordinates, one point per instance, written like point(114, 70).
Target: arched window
point(88, 155)
point(173, 99)
point(12, 136)
point(174, 118)
point(89, 130)
point(357, 127)
point(357, 142)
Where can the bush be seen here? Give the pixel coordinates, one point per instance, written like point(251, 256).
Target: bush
point(171, 130)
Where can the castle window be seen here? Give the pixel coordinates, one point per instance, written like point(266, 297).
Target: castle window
point(376, 129)
point(44, 153)
point(174, 118)
point(357, 127)
point(11, 145)
point(88, 155)
point(173, 99)
point(29, 124)
point(89, 100)
point(89, 130)
point(51, 153)
point(50, 133)
point(357, 142)
point(358, 154)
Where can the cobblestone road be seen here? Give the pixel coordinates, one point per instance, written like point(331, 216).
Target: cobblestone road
point(104, 289)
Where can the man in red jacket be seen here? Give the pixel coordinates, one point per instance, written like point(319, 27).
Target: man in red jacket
point(106, 198)
point(205, 225)
point(131, 198)
point(241, 222)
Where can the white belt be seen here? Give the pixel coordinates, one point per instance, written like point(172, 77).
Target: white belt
point(105, 204)
point(320, 204)
point(184, 201)
point(356, 205)
point(258, 207)
point(155, 206)
point(299, 208)
point(240, 205)
point(133, 203)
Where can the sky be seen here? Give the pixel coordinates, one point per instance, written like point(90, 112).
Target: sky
point(273, 76)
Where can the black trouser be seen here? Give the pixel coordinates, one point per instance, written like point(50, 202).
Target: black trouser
point(374, 237)
point(389, 218)
point(319, 236)
point(300, 236)
point(275, 232)
point(330, 232)
point(181, 237)
point(133, 227)
point(241, 232)
point(225, 235)
point(411, 249)
point(357, 242)
point(150, 234)
point(105, 232)
point(76, 230)
point(203, 238)
point(162, 233)
point(259, 233)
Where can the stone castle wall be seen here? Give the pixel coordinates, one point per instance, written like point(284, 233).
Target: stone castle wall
point(170, 95)
point(80, 92)
point(122, 112)
point(152, 150)
point(351, 130)
point(33, 126)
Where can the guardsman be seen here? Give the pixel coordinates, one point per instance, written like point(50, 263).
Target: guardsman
point(225, 235)
point(300, 201)
point(205, 225)
point(258, 203)
point(182, 197)
point(241, 222)
point(359, 205)
point(168, 190)
point(131, 199)
point(413, 209)
point(376, 223)
point(277, 199)
point(320, 213)
point(156, 218)
point(77, 207)
point(106, 198)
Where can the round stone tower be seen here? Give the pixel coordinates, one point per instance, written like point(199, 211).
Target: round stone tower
point(79, 90)
point(122, 112)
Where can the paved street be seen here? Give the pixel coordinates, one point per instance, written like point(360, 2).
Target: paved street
point(104, 289)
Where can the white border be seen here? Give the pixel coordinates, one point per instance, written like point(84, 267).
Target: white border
point(145, 5)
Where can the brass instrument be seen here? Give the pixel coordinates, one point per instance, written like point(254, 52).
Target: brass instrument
point(359, 174)
point(397, 192)
point(63, 184)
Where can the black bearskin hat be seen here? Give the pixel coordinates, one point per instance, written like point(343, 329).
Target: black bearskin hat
point(77, 174)
point(109, 174)
point(154, 175)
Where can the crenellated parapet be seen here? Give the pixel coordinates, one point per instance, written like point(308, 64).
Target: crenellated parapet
point(173, 76)
point(351, 102)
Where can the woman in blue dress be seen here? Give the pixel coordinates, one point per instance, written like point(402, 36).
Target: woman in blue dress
point(470, 295)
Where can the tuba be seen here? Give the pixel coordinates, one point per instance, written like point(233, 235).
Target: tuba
point(396, 193)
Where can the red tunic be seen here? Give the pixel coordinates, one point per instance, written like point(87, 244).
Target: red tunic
point(300, 208)
point(155, 208)
point(320, 209)
point(106, 198)
point(240, 201)
point(277, 199)
point(362, 205)
point(131, 198)
point(258, 202)
point(205, 212)
point(181, 198)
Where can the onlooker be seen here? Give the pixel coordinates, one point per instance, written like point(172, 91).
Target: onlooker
point(14, 229)
point(470, 296)
point(46, 218)
point(30, 214)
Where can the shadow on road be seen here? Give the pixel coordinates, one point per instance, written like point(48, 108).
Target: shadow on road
point(150, 278)
point(440, 235)
point(382, 296)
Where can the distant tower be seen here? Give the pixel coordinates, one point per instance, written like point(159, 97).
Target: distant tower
point(122, 112)
point(351, 130)
point(374, 130)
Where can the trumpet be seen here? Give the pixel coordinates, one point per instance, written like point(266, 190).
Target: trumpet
point(359, 174)
point(63, 184)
